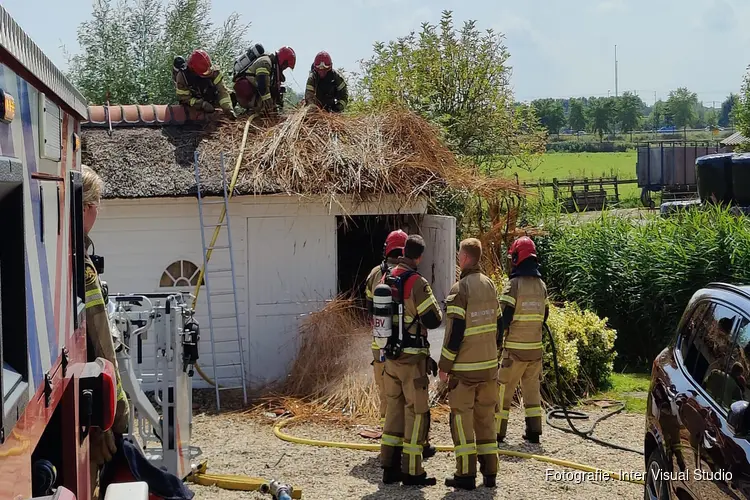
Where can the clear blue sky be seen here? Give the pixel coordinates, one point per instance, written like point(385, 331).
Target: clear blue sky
point(559, 48)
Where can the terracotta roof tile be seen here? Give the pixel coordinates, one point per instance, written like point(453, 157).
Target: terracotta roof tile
point(142, 115)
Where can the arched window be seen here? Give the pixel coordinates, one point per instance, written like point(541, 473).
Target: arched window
point(179, 274)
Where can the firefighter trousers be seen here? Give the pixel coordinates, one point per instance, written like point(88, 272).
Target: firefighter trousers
point(407, 414)
point(472, 424)
point(379, 371)
point(529, 373)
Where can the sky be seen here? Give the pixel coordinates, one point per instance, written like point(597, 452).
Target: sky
point(559, 48)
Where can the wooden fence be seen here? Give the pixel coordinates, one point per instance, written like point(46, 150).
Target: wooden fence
point(583, 194)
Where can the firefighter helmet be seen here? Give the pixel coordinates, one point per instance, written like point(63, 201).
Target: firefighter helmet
point(522, 249)
point(286, 58)
point(199, 62)
point(395, 241)
point(322, 64)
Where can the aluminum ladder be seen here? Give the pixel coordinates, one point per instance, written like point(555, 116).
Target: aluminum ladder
point(207, 271)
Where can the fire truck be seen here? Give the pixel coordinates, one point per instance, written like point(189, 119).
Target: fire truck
point(52, 392)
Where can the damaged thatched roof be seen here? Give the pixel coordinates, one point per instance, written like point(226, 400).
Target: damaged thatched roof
point(309, 153)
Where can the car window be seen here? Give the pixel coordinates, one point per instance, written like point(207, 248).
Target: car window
point(692, 326)
point(708, 353)
point(738, 367)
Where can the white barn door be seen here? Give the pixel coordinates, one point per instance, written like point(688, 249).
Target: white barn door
point(438, 264)
point(291, 271)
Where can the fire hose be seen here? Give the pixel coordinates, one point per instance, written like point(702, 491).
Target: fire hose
point(568, 414)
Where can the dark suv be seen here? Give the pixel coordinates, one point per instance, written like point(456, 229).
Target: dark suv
point(698, 416)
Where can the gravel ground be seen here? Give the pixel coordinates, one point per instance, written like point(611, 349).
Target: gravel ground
point(237, 444)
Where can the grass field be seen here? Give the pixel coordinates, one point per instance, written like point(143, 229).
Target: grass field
point(580, 165)
point(632, 388)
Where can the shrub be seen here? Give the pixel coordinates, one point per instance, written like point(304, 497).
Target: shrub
point(585, 352)
point(588, 147)
point(640, 273)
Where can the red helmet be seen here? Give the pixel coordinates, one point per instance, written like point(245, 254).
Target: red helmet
point(522, 249)
point(395, 241)
point(286, 58)
point(199, 62)
point(322, 64)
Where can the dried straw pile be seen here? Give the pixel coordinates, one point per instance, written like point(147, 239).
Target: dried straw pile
point(314, 153)
point(332, 370)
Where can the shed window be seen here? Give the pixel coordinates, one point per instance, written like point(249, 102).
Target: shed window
point(180, 273)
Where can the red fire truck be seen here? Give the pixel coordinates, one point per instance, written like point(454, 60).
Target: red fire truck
point(51, 393)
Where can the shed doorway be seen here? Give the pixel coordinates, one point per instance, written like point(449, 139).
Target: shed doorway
point(359, 244)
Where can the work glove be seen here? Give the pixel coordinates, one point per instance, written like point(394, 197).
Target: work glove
point(432, 367)
point(102, 446)
point(207, 107)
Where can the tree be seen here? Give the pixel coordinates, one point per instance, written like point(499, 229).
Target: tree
point(127, 48)
point(712, 118)
point(726, 117)
point(682, 104)
point(577, 117)
point(742, 108)
point(551, 114)
point(458, 79)
point(602, 115)
point(628, 111)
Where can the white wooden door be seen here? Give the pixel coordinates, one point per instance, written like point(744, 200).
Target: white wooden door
point(291, 272)
point(438, 264)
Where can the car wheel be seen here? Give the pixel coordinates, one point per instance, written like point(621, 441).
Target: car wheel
point(656, 488)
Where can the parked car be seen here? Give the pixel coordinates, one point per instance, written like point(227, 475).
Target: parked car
point(667, 129)
point(698, 416)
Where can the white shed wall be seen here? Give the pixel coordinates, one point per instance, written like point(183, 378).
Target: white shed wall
point(291, 269)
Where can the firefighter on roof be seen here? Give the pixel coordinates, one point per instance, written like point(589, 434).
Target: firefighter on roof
point(525, 308)
point(326, 88)
point(99, 336)
point(257, 82)
point(407, 419)
point(199, 85)
point(468, 363)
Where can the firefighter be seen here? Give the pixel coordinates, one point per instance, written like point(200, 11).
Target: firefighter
point(525, 308)
point(258, 86)
point(394, 248)
point(407, 419)
point(99, 336)
point(468, 363)
point(326, 88)
point(199, 85)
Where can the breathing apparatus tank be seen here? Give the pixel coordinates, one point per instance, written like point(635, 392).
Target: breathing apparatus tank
point(242, 63)
point(382, 315)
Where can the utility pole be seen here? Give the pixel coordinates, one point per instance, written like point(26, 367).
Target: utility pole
point(616, 94)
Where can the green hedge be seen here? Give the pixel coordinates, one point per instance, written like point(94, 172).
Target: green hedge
point(640, 273)
point(588, 147)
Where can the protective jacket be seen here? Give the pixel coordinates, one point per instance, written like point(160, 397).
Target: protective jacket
point(192, 89)
point(259, 75)
point(373, 280)
point(470, 345)
point(525, 308)
point(99, 338)
point(329, 92)
point(421, 311)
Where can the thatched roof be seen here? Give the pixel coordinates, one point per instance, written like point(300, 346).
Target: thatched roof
point(308, 153)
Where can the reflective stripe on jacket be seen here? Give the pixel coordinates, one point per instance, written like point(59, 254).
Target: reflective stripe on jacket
point(528, 296)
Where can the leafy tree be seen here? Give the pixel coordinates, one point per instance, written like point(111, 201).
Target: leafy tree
point(577, 117)
point(742, 108)
point(712, 118)
point(128, 47)
point(551, 114)
point(602, 114)
point(726, 117)
point(458, 79)
point(682, 104)
point(628, 111)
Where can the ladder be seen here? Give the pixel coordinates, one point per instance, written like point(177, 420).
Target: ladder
point(207, 271)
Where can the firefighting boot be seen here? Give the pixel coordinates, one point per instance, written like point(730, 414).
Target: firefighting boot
point(462, 482)
point(420, 480)
point(391, 475)
point(500, 439)
point(490, 481)
point(428, 451)
point(529, 435)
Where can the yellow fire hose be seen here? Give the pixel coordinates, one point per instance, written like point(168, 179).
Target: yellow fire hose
point(231, 482)
point(279, 433)
point(230, 193)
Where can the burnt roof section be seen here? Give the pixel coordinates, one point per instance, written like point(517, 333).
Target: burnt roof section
point(23, 49)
